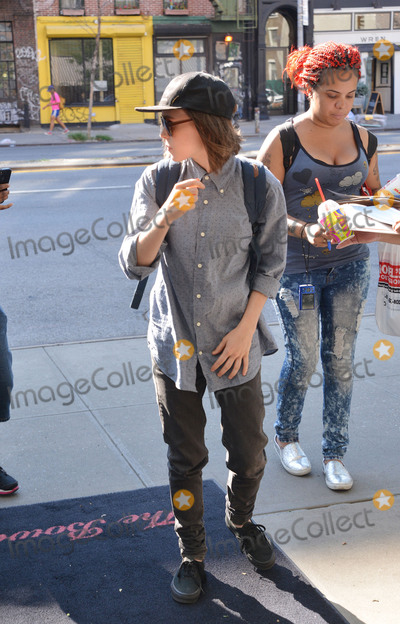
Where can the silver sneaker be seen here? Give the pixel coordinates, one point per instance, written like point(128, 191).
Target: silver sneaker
point(337, 477)
point(293, 458)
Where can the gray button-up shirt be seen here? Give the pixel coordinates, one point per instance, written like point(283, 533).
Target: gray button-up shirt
point(201, 289)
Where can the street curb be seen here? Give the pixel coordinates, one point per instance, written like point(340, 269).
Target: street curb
point(127, 161)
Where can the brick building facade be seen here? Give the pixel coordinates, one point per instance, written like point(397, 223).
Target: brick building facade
point(18, 63)
point(143, 43)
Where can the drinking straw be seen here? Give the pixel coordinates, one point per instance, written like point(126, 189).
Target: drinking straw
point(323, 199)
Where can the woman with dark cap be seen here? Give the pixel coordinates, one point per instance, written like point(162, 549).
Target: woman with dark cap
point(205, 327)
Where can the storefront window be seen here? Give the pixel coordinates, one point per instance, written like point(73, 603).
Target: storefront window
point(177, 56)
point(372, 21)
point(8, 90)
point(396, 20)
point(324, 22)
point(71, 63)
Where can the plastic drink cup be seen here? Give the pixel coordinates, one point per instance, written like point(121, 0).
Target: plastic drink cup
point(334, 221)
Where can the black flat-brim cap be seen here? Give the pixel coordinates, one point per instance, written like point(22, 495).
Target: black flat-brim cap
point(197, 91)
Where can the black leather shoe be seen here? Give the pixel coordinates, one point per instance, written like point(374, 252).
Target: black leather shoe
point(254, 543)
point(187, 584)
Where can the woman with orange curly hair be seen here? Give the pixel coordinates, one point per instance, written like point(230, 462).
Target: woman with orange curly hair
point(326, 314)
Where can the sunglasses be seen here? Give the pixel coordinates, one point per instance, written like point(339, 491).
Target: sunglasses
point(168, 125)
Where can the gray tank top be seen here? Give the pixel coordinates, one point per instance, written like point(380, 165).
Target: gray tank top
point(303, 198)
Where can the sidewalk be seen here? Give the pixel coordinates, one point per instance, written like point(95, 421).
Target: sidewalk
point(150, 131)
point(85, 422)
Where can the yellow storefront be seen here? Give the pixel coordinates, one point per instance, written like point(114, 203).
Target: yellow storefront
point(124, 77)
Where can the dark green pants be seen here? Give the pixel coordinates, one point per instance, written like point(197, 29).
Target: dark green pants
point(183, 421)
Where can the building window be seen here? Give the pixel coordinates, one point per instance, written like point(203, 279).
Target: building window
point(177, 56)
point(175, 5)
point(71, 63)
point(324, 22)
point(8, 87)
point(72, 4)
point(126, 4)
point(372, 21)
point(396, 20)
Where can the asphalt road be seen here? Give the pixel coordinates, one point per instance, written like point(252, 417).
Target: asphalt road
point(130, 149)
point(65, 284)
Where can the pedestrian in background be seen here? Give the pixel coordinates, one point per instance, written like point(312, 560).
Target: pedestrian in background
point(205, 327)
point(8, 485)
point(327, 146)
point(55, 103)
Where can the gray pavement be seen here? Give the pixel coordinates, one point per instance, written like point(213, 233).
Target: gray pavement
point(84, 422)
point(144, 132)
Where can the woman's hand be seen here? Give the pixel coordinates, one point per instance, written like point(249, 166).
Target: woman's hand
point(234, 351)
point(316, 235)
point(182, 198)
point(371, 237)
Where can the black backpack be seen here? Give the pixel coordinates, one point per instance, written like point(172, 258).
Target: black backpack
point(255, 190)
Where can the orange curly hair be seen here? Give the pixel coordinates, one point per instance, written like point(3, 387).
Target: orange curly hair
point(305, 65)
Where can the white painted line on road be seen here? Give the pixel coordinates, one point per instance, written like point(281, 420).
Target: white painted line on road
point(71, 188)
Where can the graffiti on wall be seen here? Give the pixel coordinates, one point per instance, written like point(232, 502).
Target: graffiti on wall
point(9, 113)
point(27, 52)
point(26, 58)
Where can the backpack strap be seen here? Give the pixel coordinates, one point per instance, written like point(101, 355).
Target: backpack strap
point(167, 175)
point(372, 141)
point(255, 190)
point(287, 135)
point(372, 145)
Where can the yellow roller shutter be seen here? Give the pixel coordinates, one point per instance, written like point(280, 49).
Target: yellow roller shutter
point(129, 83)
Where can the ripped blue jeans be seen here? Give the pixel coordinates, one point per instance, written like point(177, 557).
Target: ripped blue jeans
point(332, 328)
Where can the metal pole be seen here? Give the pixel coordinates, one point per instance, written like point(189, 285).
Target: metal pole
point(257, 120)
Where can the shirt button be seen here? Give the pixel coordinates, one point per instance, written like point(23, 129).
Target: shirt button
point(206, 177)
point(199, 266)
point(200, 352)
point(198, 324)
point(198, 296)
point(221, 191)
point(205, 201)
point(202, 234)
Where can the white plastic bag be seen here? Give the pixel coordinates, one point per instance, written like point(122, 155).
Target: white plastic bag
point(387, 310)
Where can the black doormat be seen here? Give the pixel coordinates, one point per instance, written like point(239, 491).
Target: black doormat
point(110, 559)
